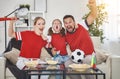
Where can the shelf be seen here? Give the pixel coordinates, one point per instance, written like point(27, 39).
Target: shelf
point(36, 12)
point(21, 26)
point(33, 14)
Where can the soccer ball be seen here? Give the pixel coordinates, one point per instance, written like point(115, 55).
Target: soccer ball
point(77, 56)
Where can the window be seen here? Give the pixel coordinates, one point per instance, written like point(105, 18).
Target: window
point(112, 28)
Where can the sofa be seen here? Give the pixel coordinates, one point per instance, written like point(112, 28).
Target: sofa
point(104, 62)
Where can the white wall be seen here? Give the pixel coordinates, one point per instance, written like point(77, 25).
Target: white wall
point(55, 9)
point(59, 8)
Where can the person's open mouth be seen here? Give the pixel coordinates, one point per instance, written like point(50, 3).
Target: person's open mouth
point(41, 29)
point(56, 27)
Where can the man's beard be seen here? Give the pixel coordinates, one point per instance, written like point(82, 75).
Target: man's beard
point(72, 30)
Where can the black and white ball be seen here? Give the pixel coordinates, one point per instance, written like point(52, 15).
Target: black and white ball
point(78, 56)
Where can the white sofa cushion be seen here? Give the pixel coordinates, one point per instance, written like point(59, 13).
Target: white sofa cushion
point(101, 56)
point(12, 55)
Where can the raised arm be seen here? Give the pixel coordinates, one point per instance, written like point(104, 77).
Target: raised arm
point(93, 14)
point(11, 31)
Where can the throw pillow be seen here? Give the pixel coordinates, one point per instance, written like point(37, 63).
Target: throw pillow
point(44, 54)
point(100, 56)
point(12, 55)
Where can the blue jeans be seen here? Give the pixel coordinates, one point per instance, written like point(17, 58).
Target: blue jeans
point(61, 59)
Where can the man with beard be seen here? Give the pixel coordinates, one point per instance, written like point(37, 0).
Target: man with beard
point(77, 35)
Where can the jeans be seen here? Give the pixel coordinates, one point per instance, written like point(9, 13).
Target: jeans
point(61, 59)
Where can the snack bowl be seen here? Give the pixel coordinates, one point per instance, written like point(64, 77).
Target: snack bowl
point(32, 62)
point(79, 67)
point(50, 61)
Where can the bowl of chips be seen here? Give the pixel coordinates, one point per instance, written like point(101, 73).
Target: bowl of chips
point(51, 61)
point(79, 67)
point(32, 62)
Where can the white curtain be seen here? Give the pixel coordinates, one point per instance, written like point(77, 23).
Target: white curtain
point(112, 28)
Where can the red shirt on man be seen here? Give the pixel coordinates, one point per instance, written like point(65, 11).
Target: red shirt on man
point(80, 39)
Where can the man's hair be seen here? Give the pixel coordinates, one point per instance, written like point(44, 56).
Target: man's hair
point(68, 16)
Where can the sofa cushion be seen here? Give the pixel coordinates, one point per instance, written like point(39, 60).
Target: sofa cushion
point(44, 54)
point(100, 56)
point(12, 55)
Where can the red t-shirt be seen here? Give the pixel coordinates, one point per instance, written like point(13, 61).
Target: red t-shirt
point(31, 44)
point(58, 41)
point(80, 39)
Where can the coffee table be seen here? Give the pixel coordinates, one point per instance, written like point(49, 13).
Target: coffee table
point(60, 69)
point(90, 71)
point(45, 69)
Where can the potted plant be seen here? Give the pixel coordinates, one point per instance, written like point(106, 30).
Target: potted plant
point(21, 6)
point(25, 6)
point(94, 28)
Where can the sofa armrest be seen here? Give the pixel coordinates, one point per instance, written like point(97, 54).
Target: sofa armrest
point(115, 67)
point(106, 67)
point(2, 67)
point(111, 67)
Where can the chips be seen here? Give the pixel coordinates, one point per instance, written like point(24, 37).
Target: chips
point(79, 67)
point(33, 63)
point(51, 62)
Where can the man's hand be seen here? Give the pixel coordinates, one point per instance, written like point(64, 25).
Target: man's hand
point(92, 3)
point(93, 14)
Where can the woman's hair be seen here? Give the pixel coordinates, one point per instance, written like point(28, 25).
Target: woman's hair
point(50, 30)
point(37, 18)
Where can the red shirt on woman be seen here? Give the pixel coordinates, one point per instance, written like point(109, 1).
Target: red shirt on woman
point(31, 44)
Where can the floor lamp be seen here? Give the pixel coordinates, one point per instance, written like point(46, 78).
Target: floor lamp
point(5, 19)
point(6, 25)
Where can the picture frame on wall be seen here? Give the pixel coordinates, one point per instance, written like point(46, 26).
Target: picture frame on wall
point(40, 5)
